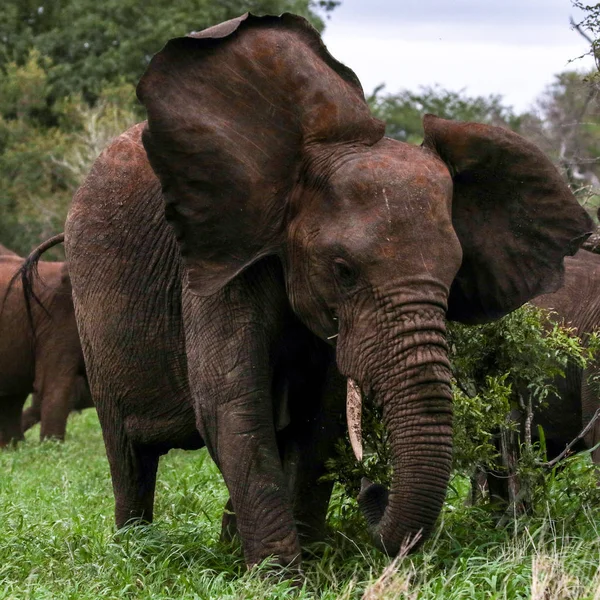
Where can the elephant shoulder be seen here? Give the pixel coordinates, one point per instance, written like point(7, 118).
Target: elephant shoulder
point(120, 188)
point(121, 172)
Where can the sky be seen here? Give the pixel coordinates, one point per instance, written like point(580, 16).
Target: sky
point(508, 47)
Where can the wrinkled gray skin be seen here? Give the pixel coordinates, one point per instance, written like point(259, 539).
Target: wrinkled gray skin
point(302, 248)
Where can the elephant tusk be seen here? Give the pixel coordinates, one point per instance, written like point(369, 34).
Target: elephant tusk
point(354, 418)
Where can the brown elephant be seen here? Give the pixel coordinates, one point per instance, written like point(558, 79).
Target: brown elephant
point(45, 360)
point(567, 412)
point(80, 398)
point(577, 305)
point(304, 248)
point(4, 251)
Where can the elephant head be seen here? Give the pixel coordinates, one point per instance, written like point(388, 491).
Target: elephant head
point(264, 145)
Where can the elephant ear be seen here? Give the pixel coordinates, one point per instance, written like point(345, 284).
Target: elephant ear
point(236, 114)
point(515, 217)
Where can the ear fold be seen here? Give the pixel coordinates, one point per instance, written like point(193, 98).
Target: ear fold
point(514, 216)
point(236, 114)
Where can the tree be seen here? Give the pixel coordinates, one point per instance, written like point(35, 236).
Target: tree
point(41, 166)
point(589, 28)
point(91, 44)
point(403, 112)
point(565, 124)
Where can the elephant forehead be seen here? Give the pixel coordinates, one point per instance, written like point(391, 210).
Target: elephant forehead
point(395, 178)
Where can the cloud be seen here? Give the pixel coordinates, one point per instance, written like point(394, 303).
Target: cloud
point(507, 47)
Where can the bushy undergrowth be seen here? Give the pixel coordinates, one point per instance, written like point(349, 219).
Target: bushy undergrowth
point(509, 364)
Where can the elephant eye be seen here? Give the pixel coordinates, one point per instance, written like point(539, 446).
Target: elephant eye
point(345, 275)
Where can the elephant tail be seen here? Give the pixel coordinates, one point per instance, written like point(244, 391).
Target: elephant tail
point(28, 274)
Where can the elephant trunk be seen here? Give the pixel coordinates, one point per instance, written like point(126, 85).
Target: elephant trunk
point(412, 383)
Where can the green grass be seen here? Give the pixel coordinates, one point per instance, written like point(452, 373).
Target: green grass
point(57, 540)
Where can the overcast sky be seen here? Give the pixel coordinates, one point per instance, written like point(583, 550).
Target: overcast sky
point(507, 47)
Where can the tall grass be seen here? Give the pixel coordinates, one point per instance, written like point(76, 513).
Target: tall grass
point(57, 540)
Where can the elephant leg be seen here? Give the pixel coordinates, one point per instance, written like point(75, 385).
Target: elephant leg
point(32, 415)
point(308, 443)
point(229, 341)
point(133, 470)
point(11, 408)
point(55, 409)
point(305, 447)
point(246, 452)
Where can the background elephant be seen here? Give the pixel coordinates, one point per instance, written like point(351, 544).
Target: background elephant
point(80, 398)
point(577, 305)
point(4, 251)
point(304, 248)
point(564, 414)
point(46, 361)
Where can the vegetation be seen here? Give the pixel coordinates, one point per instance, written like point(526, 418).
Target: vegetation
point(403, 112)
point(509, 364)
point(89, 44)
point(58, 539)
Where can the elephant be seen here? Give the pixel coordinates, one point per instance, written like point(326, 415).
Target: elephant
point(80, 399)
point(4, 251)
point(576, 305)
point(45, 360)
point(258, 247)
point(567, 412)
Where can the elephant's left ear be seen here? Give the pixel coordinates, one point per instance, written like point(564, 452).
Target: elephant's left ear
point(515, 217)
point(238, 114)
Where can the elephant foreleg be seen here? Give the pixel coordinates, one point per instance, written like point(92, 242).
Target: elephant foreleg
point(229, 338)
point(318, 405)
point(11, 408)
point(317, 423)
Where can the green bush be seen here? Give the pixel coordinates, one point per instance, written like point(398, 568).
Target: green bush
point(513, 362)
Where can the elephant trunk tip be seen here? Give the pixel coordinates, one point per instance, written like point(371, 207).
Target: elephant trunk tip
point(372, 501)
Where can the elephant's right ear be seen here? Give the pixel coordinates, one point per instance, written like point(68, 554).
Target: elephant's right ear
point(237, 115)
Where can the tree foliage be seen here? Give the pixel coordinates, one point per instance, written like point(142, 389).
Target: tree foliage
point(403, 112)
point(504, 365)
point(496, 366)
point(565, 124)
point(589, 27)
point(40, 165)
point(91, 44)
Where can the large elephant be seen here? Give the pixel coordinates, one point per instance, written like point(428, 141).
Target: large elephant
point(44, 360)
point(304, 248)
